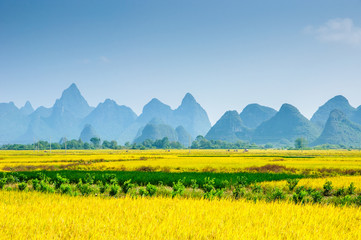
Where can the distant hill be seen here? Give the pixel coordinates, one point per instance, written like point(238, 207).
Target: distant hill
point(285, 127)
point(183, 136)
point(356, 116)
point(338, 102)
point(88, 133)
point(254, 114)
point(155, 131)
point(192, 117)
point(12, 122)
point(189, 114)
point(110, 119)
point(340, 130)
point(27, 109)
point(228, 128)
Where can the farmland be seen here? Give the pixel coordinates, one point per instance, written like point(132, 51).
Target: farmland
point(202, 194)
point(64, 217)
point(181, 160)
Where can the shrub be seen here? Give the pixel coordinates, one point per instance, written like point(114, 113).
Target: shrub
point(292, 183)
point(151, 189)
point(239, 191)
point(3, 181)
point(178, 188)
point(46, 187)
point(36, 184)
point(351, 189)
point(327, 188)
point(358, 200)
point(210, 194)
point(143, 192)
point(114, 189)
point(277, 194)
point(85, 189)
point(345, 201)
point(256, 188)
point(317, 196)
point(22, 186)
point(103, 187)
point(194, 184)
point(300, 197)
point(208, 184)
point(127, 185)
point(340, 192)
point(66, 189)
point(59, 180)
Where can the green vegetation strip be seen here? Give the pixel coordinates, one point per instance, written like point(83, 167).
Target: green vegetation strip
point(143, 178)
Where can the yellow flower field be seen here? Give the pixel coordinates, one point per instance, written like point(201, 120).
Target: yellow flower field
point(178, 160)
point(33, 215)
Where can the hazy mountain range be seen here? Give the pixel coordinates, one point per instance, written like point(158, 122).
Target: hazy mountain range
point(335, 122)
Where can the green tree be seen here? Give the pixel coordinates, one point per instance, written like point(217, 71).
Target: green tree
point(300, 143)
point(95, 141)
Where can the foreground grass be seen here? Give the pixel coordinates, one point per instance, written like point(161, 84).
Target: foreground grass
point(33, 215)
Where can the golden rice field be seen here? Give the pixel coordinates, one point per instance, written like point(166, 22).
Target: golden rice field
point(317, 183)
point(178, 160)
point(33, 215)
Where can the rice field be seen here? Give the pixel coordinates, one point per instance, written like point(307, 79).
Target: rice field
point(179, 160)
point(317, 183)
point(30, 213)
point(33, 215)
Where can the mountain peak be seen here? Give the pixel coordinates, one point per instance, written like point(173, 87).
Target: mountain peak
point(338, 99)
point(288, 108)
point(254, 114)
point(188, 98)
point(338, 102)
point(27, 108)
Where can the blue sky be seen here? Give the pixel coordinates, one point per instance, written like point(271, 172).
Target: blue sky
point(226, 53)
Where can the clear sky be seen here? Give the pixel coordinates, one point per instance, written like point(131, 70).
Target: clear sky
point(226, 53)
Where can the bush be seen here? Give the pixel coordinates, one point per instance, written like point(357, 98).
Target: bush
point(114, 189)
point(59, 180)
point(239, 191)
point(45, 187)
point(66, 189)
point(3, 181)
point(351, 189)
point(317, 196)
point(256, 188)
point(85, 189)
point(103, 187)
point(22, 186)
point(208, 184)
point(327, 188)
point(178, 188)
point(143, 192)
point(151, 189)
point(127, 185)
point(292, 183)
point(340, 192)
point(345, 201)
point(194, 184)
point(277, 194)
point(358, 200)
point(242, 181)
point(36, 184)
point(300, 197)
